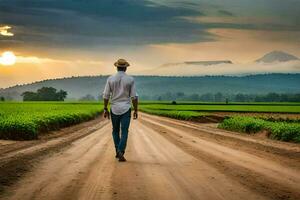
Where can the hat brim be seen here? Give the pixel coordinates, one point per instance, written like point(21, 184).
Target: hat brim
point(123, 65)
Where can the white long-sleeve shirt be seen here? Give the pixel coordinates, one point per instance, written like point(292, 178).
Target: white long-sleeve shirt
point(120, 88)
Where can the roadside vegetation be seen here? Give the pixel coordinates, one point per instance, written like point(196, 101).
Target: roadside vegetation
point(280, 130)
point(284, 129)
point(216, 107)
point(25, 121)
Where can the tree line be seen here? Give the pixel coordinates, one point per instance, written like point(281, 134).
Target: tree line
point(51, 94)
point(220, 97)
point(45, 94)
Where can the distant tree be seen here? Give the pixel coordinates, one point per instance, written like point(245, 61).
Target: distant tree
point(273, 97)
point(88, 97)
point(259, 98)
point(295, 98)
point(179, 95)
point(2, 98)
point(193, 97)
point(284, 97)
point(30, 96)
point(207, 97)
point(218, 97)
point(45, 94)
point(61, 95)
point(169, 96)
point(240, 98)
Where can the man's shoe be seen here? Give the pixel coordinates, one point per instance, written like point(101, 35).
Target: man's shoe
point(117, 153)
point(121, 157)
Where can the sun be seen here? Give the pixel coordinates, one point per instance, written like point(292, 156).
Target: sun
point(8, 58)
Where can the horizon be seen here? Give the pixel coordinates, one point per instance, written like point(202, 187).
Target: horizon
point(163, 76)
point(65, 38)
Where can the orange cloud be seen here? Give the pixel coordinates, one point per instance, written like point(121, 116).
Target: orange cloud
point(239, 46)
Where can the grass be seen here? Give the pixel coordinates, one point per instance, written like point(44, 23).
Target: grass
point(220, 103)
point(284, 131)
point(25, 121)
point(280, 129)
point(267, 108)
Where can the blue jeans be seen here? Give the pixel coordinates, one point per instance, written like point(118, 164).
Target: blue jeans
point(122, 121)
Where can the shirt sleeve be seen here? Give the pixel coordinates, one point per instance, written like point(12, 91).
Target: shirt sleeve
point(107, 90)
point(133, 93)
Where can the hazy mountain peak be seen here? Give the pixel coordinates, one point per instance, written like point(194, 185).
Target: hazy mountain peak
point(277, 56)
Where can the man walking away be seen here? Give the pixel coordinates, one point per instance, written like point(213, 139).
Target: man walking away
point(120, 90)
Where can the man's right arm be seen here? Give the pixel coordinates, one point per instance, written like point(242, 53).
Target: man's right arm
point(134, 99)
point(105, 110)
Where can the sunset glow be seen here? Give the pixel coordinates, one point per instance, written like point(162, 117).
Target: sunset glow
point(78, 38)
point(8, 58)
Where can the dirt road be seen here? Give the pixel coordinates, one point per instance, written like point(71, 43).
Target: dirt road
point(167, 159)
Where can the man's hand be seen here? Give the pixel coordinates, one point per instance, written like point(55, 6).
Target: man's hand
point(135, 114)
point(106, 114)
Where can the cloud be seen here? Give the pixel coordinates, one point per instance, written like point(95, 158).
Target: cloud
point(225, 13)
point(122, 23)
point(86, 24)
point(4, 31)
point(227, 69)
point(230, 45)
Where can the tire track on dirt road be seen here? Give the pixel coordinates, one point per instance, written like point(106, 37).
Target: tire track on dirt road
point(18, 157)
point(265, 176)
point(164, 162)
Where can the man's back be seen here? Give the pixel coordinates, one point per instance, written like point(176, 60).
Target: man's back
point(120, 88)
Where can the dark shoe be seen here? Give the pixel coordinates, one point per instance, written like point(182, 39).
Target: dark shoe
point(121, 157)
point(117, 154)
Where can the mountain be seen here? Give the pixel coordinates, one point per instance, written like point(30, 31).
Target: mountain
point(215, 62)
point(277, 56)
point(205, 63)
point(149, 87)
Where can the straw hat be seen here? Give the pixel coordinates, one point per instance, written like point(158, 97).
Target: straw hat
point(122, 63)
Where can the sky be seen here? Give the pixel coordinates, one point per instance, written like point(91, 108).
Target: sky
point(63, 38)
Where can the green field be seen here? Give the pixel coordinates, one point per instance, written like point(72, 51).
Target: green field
point(24, 121)
point(208, 107)
point(280, 129)
point(284, 131)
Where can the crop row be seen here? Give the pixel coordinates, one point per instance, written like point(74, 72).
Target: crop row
point(225, 108)
point(284, 131)
point(25, 121)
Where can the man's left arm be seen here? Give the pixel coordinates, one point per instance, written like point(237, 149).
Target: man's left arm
point(106, 96)
point(135, 107)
